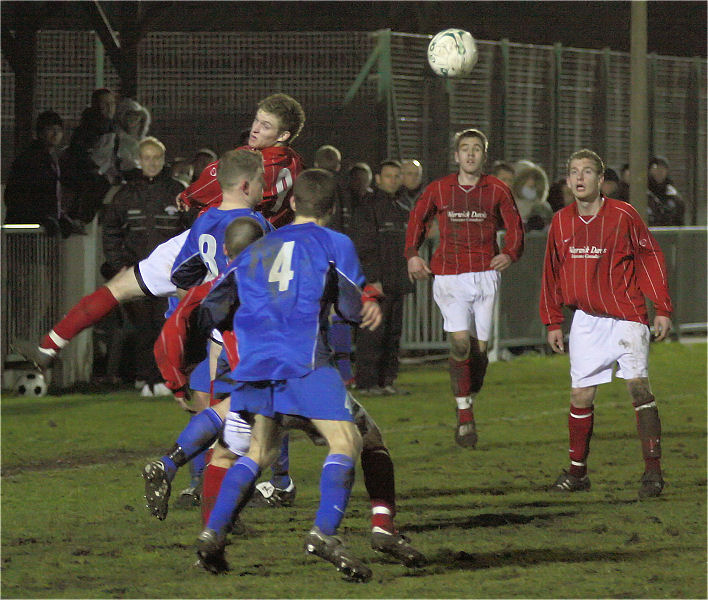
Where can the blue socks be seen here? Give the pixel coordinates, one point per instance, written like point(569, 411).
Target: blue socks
point(200, 433)
point(281, 466)
point(235, 491)
point(335, 488)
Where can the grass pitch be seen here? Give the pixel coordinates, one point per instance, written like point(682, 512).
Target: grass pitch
point(74, 523)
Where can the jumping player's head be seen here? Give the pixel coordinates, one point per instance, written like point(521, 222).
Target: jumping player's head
point(471, 151)
point(585, 175)
point(239, 234)
point(240, 173)
point(313, 193)
point(279, 120)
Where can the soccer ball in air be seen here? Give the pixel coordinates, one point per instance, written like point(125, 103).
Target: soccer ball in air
point(31, 384)
point(452, 53)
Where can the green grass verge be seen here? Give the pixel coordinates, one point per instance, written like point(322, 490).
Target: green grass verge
point(74, 525)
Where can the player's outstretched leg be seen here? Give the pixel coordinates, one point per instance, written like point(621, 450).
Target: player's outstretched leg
point(86, 312)
point(200, 433)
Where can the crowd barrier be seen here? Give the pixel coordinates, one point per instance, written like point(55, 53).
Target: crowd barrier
point(43, 276)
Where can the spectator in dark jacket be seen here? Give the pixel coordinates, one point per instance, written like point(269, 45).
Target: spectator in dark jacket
point(89, 166)
point(33, 192)
point(141, 216)
point(665, 206)
point(379, 232)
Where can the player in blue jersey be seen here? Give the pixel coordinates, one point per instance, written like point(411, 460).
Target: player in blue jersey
point(283, 287)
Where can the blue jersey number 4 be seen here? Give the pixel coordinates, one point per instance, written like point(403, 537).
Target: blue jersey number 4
point(281, 272)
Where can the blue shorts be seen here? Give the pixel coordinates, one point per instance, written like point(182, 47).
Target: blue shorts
point(223, 384)
point(318, 395)
point(199, 380)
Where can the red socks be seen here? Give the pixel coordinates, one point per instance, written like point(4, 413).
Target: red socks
point(461, 377)
point(382, 517)
point(580, 422)
point(88, 311)
point(213, 476)
point(649, 429)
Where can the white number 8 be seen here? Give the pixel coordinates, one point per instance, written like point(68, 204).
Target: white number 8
point(207, 250)
point(280, 271)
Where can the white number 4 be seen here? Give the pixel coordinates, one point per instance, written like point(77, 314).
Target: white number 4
point(280, 271)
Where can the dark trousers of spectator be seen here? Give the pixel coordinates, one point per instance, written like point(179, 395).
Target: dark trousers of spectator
point(146, 315)
point(377, 351)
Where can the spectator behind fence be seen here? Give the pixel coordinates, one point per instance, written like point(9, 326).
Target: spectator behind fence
point(182, 170)
point(379, 232)
point(142, 216)
point(202, 158)
point(664, 206)
point(612, 186)
point(33, 192)
point(504, 171)
point(412, 178)
point(530, 190)
point(339, 334)
point(89, 166)
point(360, 178)
point(559, 195)
point(133, 122)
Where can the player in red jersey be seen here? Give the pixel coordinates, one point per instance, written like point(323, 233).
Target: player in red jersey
point(279, 119)
point(601, 260)
point(470, 207)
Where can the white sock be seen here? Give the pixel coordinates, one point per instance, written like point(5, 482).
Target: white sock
point(464, 402)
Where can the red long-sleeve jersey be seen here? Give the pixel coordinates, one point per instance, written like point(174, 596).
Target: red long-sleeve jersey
point(603, 265)
point(282, 166)
point(170, 345)
point(469, 218)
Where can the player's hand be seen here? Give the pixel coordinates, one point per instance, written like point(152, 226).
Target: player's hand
point(500, 262)
point(417, 269)
point(662, 326)
point(183, 398)
point(370, 315)
point(379, 286)
point(555, 341)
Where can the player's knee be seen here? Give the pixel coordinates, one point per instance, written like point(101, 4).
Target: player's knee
point(222, 457)
point(124, 286)
point(640, 391)
point(459, 348)
point(582, 397)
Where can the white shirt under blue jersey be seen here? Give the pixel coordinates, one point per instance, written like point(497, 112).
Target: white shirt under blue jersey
point(202, 256)
point(283, 287)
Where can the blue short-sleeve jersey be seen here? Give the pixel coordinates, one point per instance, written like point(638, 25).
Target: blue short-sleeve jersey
point(202, 256)
point(283, 287)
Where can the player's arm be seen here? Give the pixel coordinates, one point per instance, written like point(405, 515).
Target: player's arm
point(550, 306)
point(204, 192)
point(189, 268)
point(217, 310)
point(651, 276)
point(422, 212)
point(514, 236)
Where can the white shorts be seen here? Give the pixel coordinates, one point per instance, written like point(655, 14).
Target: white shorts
point(153, 273)
point(237, 434)
point(466, 301)
point(597, 343)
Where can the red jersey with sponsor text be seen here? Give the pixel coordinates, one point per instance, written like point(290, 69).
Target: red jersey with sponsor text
point(282, 166)
point(469, 218)
point(603, 264)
